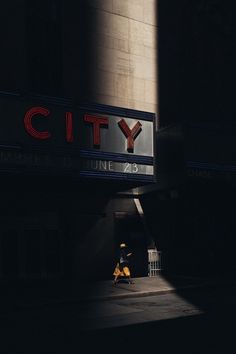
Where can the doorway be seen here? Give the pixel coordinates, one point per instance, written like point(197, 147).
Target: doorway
point(129, 229)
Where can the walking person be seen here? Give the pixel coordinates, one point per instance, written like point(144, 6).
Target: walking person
point(122, 266)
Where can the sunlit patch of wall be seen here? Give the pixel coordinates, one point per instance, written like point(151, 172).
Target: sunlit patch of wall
point(110, 52)
point(125, 56)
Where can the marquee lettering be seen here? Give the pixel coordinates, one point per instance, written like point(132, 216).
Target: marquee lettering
point(69, 127)
point(130, 134)
point(97, 123)
point(28, 122)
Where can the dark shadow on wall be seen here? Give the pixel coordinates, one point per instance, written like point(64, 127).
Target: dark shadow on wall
point(194, 229)
point(196, 75)
point(195, 226)
point(196, 56)
point(47, 48)
point(32, 211)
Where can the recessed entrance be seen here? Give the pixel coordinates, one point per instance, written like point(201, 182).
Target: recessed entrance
point(129, 229)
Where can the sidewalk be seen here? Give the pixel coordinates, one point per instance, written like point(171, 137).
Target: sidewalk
point(62, 292)
point(145, 286)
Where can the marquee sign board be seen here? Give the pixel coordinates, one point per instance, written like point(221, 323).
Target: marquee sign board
point(53, 136)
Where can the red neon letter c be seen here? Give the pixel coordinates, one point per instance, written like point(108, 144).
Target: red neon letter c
point(28, 122)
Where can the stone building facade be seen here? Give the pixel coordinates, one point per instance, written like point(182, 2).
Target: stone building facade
point(73, 53)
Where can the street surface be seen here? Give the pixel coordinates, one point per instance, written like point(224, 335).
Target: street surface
point(193, 321)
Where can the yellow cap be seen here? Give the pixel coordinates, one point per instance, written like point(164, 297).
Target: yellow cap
point(122, 245)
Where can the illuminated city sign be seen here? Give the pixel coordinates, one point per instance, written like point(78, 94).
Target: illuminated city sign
point(98, 141)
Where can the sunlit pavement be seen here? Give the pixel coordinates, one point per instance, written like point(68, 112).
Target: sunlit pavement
point(180, 320)
point(31, 294)
point(129, 311)
point(146, 286)
point(147, 300)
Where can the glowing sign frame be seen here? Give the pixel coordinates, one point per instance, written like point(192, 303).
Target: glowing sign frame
point(39, 138)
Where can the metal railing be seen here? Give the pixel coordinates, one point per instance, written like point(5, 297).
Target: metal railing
point(154, 262)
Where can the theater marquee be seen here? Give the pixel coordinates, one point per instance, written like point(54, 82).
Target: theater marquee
point(53, 136)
